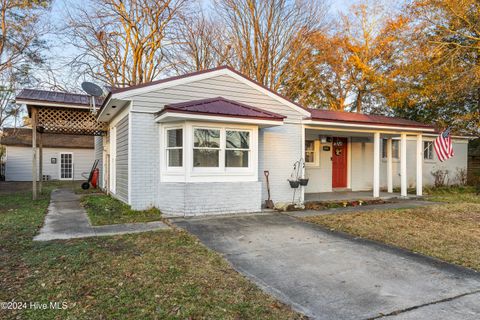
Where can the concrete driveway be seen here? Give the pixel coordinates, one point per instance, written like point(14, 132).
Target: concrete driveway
point(331, 276)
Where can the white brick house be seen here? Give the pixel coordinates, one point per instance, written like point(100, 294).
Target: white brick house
point(199, 144)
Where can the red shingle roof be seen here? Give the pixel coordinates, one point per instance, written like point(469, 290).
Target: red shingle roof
point(360, 118)
point(221, 107)
point(57, 97)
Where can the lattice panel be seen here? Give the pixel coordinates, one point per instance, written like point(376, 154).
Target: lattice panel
point(69, 121)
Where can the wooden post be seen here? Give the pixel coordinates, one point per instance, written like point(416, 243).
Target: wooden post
point(40, 162)
point(34, 153)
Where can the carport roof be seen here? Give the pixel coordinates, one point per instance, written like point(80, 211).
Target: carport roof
point(73, 99)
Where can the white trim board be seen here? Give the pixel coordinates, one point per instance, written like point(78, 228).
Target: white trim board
point(179, 116)
point(52, 104)
point(358, 127)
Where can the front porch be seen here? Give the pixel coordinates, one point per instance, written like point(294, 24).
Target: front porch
point(355, 162)
point(349, 196)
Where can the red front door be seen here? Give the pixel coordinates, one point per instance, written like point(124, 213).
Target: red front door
point(339, 163)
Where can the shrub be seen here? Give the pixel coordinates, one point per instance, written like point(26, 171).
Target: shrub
point(440, 177)
point(462, 176)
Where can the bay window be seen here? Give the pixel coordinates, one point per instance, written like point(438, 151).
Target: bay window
point(209, 152)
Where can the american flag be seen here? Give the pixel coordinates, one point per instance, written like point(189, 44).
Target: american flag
point(443, 145)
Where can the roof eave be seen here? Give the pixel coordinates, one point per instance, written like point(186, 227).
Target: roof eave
point(366, 125)
point(175, 115)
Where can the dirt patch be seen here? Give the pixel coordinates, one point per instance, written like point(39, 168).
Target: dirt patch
point(10, 187)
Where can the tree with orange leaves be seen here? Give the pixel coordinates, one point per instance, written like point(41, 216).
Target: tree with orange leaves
point(355, 67)
point(441, 79)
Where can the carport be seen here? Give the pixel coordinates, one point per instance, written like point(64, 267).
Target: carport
point(57, 113)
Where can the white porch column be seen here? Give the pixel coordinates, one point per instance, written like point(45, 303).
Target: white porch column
point(389, 165)
point(302, 156)
point(403, 164)
point(419, 182)
point(376, 164)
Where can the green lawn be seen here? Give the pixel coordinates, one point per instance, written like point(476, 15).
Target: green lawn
point(450, 231)
point(103, 209)
point(156, 275)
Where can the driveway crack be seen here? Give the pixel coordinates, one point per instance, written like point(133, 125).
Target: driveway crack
point(397, 312)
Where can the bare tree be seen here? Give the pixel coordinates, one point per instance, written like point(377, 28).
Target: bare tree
point(123, 42)
point(200, 43)
point(20, 48)
point(267, 37)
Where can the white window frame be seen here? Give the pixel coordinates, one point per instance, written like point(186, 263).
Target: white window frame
point(167, 148)
point(430, 144)
point(60, 167)
point(384, 149)
point(221, 157)
point(310, 151)
point(249, 150)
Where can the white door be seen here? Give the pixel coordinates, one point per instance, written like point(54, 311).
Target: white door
point(66, 166)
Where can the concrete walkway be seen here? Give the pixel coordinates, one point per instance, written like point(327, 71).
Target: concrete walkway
point(398, 204)
point(67, 219)
point(328, 275)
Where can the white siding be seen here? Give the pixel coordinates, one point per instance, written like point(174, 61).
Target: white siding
point(19, 162)
point(121, 165)
point(98, 143)
point(224, 86)
point(362, 164)
point(320, 175)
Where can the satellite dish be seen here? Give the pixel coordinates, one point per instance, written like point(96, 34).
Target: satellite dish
point(94, 91)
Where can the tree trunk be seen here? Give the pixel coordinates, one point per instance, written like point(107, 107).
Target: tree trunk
point(358, 102)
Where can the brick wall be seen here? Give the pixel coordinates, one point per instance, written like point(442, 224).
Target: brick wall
point(144, 160)
point(204, 198)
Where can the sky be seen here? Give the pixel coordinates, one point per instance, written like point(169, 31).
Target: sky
point(60, 53)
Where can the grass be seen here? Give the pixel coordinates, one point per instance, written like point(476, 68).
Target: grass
point(465, 194)
point(155, 275)
point(450, 231)
point(103, 209)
